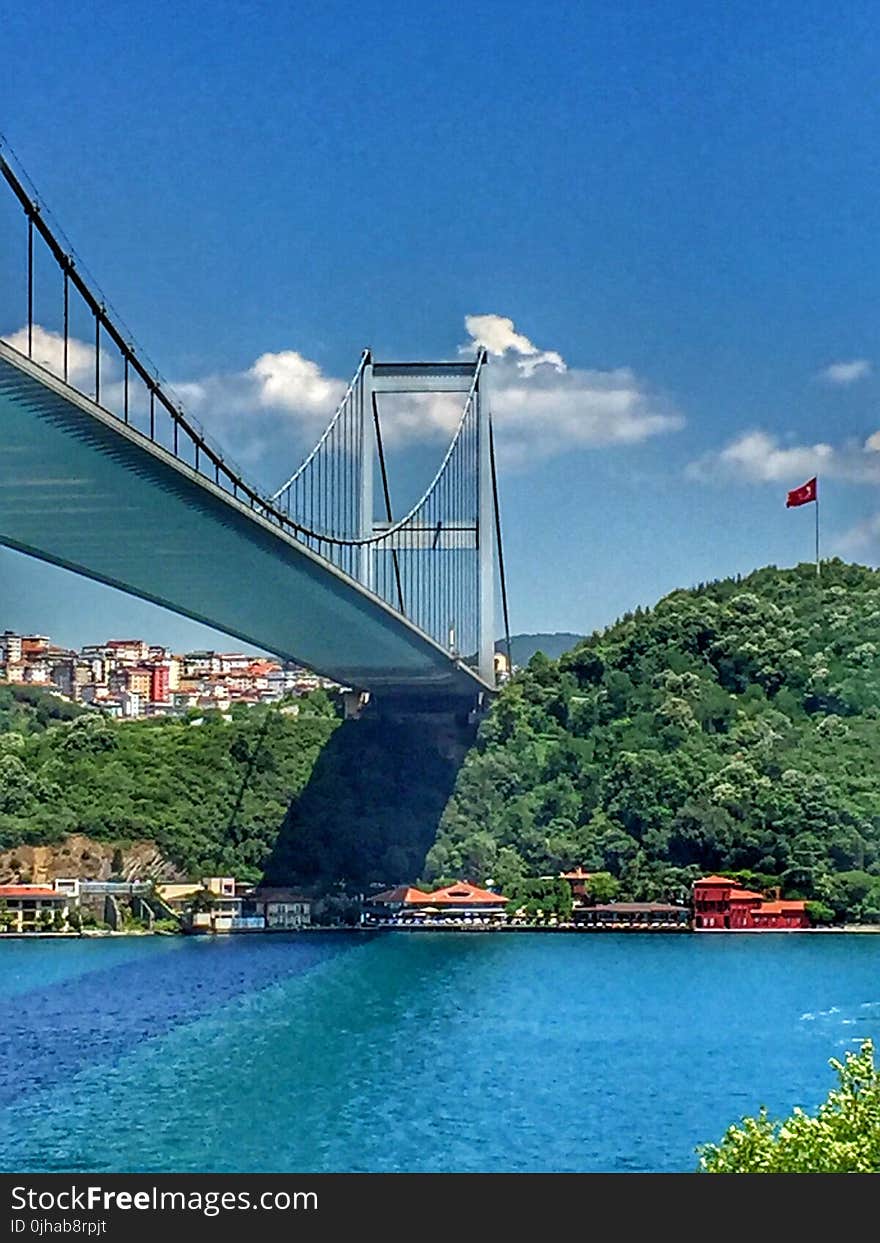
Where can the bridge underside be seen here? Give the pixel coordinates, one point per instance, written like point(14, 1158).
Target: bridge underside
point(82, 490)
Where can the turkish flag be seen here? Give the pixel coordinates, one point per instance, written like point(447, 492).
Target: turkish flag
point(803, 495)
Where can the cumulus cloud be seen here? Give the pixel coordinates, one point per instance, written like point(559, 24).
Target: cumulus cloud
point(542, 407)
point(47, 349)
point(846, 372)
point(498, 336)
point(282, 396)
point(759, 457)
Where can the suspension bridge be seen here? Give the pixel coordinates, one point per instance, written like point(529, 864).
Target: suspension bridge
point(103, 473)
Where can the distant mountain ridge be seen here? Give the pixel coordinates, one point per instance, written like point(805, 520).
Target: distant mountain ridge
point(524, 646)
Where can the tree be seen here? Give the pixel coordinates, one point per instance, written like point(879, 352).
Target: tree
point(842, 1137)
point(602, 887)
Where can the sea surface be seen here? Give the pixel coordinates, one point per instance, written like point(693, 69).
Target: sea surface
point(415, 1051)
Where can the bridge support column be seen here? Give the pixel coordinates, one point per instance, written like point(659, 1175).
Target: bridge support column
point(366, 565)
point(486, 536)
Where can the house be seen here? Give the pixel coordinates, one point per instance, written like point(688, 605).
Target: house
point(28, 905)
point(279, 909)
point(720, 904)
point(211, 905)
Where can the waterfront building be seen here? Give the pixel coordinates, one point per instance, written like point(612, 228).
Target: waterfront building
point(279, 908)
point(392, 901)
point(633, 915)
point(29, 904)
point(459, 901)
point(720, 904)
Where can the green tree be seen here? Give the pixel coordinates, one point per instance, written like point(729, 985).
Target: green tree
point(602, 887)
point(842, 1137)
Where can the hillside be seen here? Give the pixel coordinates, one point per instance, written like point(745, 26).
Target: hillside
point(210, 793)
point(303, 797)
point(733, 727)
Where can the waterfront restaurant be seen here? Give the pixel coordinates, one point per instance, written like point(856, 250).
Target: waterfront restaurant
point(721, 905)
point(459, 902)
point(633, 916)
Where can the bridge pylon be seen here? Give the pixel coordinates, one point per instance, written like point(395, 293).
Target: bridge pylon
point(436, 565)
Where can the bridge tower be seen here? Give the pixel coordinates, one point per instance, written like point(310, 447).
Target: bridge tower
point(436, 565)
point(418, 381)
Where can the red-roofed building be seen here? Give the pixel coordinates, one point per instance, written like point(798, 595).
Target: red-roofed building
point(27, 905)
point(460, 899)
point(721, 905)
point(465, 897)
point(402, 895)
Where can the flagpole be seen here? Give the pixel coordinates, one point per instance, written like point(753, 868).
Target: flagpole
point(818, 563)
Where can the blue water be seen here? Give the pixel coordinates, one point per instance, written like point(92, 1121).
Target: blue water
point(428, 1051)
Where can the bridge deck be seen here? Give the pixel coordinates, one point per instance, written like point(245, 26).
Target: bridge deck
point(82, 490)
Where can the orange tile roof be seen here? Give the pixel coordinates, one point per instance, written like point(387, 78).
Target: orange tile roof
point(461, 891)
point(259, 667)
point(402, 893)
point(29, 891)
point(781, 907)
point(577, 874)
point(745, 895)
point(715, 880)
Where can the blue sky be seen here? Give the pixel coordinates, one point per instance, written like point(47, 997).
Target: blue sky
point(662, 218)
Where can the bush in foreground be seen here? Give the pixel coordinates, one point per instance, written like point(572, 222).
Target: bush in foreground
point(843, 1137)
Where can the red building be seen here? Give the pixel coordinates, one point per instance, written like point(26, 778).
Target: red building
point(159, 684)
point(721, 905)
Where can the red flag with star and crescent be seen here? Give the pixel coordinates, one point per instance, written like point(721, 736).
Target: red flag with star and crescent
point(807, 492)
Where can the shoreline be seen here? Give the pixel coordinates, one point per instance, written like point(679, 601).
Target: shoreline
point(104, 933)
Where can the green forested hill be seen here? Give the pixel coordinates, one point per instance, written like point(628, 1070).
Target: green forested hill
point(211, 793)
point(733, 727)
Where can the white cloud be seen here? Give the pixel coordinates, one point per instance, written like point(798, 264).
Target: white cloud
point(281, 403)
point(861, 539)
point(846, 372)
point(542, 407)
point(287, 381)
point(498, 335)
point(47, 350)
point(758, 457)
